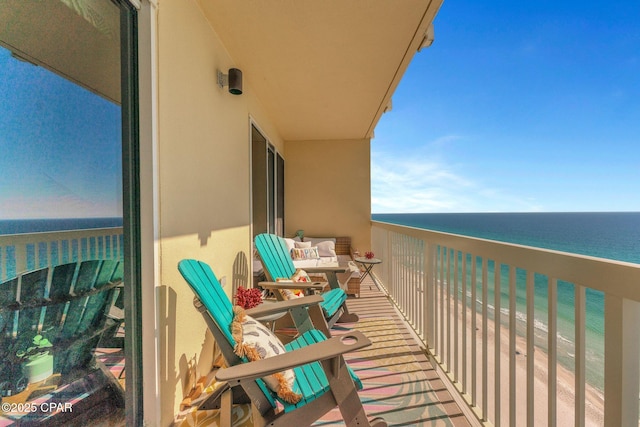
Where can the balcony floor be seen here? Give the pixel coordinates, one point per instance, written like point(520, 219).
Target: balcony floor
point(400, 385)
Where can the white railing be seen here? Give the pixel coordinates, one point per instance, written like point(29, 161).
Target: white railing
point(24, 252)
point(532, 374)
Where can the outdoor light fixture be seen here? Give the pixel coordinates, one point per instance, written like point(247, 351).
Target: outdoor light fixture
point(233, 80)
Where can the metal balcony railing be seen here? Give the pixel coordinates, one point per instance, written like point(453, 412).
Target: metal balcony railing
point(24, 252)
point(487, 312)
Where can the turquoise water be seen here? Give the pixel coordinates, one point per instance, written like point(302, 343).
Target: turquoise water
point(611, 235)
point(26, 226)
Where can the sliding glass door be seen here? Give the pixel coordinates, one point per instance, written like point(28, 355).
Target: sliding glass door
point(68, 212)
point(267, 171)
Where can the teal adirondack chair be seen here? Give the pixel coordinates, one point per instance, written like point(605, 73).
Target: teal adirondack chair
point(277, 264)
point(322, 376)
point(69, 306)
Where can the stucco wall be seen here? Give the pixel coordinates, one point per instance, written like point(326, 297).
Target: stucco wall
point(327, 189)
point(204, 186)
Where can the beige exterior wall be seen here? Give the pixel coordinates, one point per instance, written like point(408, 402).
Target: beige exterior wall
point(204, 186)
point(328, 190)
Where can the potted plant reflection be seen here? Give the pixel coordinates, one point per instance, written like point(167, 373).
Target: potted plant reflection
point(37, 362)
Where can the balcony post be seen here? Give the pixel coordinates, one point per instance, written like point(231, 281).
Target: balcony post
point(622, 366)
point(392, 272)
point(21, 257)
point(429, 294)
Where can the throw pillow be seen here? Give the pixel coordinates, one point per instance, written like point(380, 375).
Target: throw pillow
point(290, 244)
point(315, 240)
point(327, 248)
point(302, 244)
point(304, 253)
point(299, 276)
point(291, 293)
point(254, 341)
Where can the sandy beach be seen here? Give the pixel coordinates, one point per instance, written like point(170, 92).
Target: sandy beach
point(565, 379)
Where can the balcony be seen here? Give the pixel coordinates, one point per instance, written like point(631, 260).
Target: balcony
point(400, 383)
point(459, 293)
point(435, 355)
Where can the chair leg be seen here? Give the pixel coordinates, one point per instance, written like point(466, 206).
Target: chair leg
point(378, 422)
point(319, 322)
point(332, 278)
point(226, 407)
point(347, 317)
point(352, 411)
point(346, 395)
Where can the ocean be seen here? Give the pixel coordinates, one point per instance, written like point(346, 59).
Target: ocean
point(26, 226)
point(610, 235)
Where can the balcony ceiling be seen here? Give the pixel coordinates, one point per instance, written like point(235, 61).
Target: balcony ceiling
point(78, 40)
point(324, 69)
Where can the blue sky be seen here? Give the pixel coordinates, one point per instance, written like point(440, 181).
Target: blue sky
point(516, 107)
point(60, 147)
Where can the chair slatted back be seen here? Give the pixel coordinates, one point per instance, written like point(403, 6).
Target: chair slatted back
point(218, 313)
point(67, 303)
point(274, 255)
point(208, 289)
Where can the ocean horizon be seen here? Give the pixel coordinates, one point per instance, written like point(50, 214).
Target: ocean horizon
point(42, 225)
point(609, 235)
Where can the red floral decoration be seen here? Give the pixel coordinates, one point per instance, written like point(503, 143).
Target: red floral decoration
point(248, 298)
point(369, 255)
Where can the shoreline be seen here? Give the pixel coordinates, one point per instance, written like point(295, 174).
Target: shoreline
point(565, 388)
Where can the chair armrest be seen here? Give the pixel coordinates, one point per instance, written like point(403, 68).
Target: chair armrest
point(282, 306)
point(293, 285)
point(115, 313)
point(327, 349)
point(325, 269)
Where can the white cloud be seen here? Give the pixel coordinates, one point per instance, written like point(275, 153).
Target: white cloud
point(422, 181)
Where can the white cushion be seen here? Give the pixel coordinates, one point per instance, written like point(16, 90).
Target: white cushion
point(316, 262)
point(303, 245)
point(304, 263)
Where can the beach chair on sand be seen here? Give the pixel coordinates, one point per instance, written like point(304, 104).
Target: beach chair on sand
point(277, 264)
point(322, 378)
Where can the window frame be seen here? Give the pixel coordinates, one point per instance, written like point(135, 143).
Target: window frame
point(131, 211)
point(273, 181)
